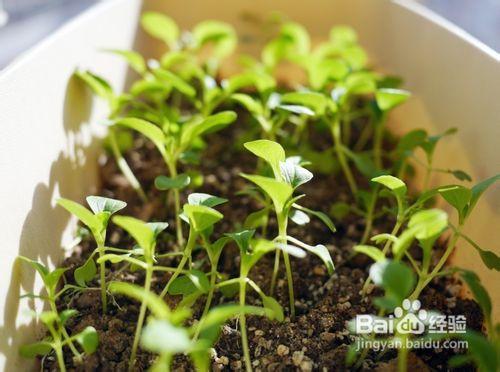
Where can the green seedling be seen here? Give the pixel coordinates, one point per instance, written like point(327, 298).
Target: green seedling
point(251, 251)
point(195, 283)
point(145, 234)
point(201, 217)
point(288, 176)
point(118, 141)
point(419, 139)
point(165, 325)
point(97, 222)
point(55, 321)
point(173, 145)
point(190, 48)
point(483, 351)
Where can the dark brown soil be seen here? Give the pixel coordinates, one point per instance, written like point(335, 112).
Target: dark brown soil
point(317, 339)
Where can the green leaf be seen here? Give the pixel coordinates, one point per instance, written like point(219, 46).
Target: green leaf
point(161, 27)
point(134, 59)
point(222, 313)
point(99, 86)
point(193, 281)
point(162, 337)
point(428, 223)
point(201, 217)
point(410, 141)
point(360, 83)
point(154, 303)
point(294, 174)
point(100, 204)
point(242, 239)
point(85, 273)
point(318, 214)
point(82, 213)
point(48, 317)
point(175, 81)
point(274, 306)
point(65, 315)
point(373, 252)
point(478, 189)
point(389, 98)
point(392, 183)
point(207, 200)
point(479, 292)
point(30, 351)
point(280, 192)
point(315, 101)
point(397, 280)
point(270, 151)
point(210, 124)
point(220, 34)
point(458, 197)
point(140, 231)
point(461, 175)
point(256, 219)
point(252, 105)
point(482, 351)
point(262, 81)
point(298, 36)
point(147, 129)
point(319, 250)
point(88, 339)
point(342, 36)
point(168, 183)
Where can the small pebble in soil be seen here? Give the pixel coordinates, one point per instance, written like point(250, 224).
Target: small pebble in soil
point(282, 350)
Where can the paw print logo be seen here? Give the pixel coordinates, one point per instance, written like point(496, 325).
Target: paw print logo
point(410, 318)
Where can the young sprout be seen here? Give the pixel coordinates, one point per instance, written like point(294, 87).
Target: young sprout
point(483, 351)
point(251, 251)
point(194, 282)
point(145, 235)
point(97, 222)
point(387, 99)
point(288, 176)
point(201, 217)
point(189, 49)
point(118, 141)
point(398, 189)
point(165, 325)
point(55, 321)
point(173, 145)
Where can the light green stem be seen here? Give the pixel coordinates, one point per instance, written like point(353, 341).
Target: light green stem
point(140, 320)
point(187, 254)
point(275, 271)
point(341, 157)
point(387, 245)
point(282, 227)
point(177, 203)
point(124, 167)
point(424, 280)
point(102, 273)
point(403, 355)
point(377, 141)
point(243, 325)
point(369, 216)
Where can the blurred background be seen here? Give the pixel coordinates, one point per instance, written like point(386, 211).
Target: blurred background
point(25, 22)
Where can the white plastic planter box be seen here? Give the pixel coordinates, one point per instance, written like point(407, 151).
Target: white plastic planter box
point(49, 147)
